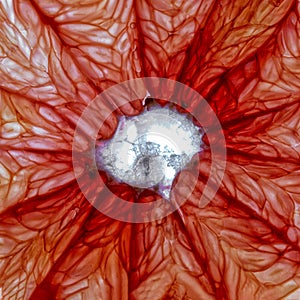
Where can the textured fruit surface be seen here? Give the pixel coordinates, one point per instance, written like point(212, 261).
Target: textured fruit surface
point(242, 57)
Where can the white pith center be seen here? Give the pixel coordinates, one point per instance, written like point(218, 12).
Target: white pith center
point(148, 150)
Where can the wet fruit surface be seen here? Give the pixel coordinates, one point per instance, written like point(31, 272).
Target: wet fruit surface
point(56, 57)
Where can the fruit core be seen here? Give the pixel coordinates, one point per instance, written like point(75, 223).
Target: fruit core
point(148, 151)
